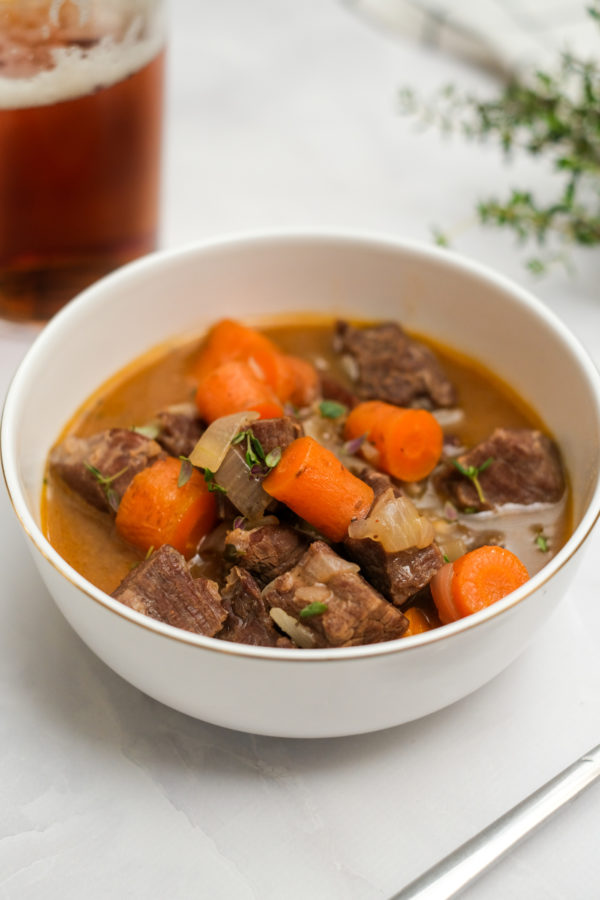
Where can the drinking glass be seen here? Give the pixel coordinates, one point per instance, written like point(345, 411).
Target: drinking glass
point(81, 91)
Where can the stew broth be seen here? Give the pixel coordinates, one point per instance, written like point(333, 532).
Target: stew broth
point(88, 541)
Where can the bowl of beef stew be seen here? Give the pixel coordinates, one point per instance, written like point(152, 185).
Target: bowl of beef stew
point(305, 485)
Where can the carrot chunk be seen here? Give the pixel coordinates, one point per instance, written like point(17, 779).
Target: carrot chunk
point(304, 381)
point(154, 510)
point(291, 379)
point(476, 580)
point(313, 482)
point(409, 441)
point(417, 621)
point(235, 387)
point(230, 340)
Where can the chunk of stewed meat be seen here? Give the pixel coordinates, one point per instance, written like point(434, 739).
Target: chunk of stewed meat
point(386, 364)
point(346, 611)
point(380, 482)
point(100, 468)
point(333, 389)
point(525, 468)
point(396, 575)
point(266, 551)
point(180, 429)
point(273, 433)
point(248, 620)
point(163, 588)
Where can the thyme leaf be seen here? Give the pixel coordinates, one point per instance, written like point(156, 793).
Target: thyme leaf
point(254, 454)
point(185, 472)
point(273, 457)
point(151, 431)
point(331, 409)
point(105, 482)
point(473, 473)
point(313, 609)
point(211, 484)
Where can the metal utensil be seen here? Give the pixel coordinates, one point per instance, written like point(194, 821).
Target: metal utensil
point(461, 867)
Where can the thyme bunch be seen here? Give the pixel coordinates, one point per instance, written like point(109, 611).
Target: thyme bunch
point(552, 116)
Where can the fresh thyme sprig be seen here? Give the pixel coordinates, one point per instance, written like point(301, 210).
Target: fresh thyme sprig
point(105, 482)
point(257, 461)
point(552, 116)
point(473, 473)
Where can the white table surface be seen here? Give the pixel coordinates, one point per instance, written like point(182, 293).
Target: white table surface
point(283, 114)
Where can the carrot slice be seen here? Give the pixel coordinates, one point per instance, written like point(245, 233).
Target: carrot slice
point(304, 381)
point(417, 621)
point(313, 482)
point(409, 441)
point(155, 511)
point(228, 340)
point(235, 387)
point(476, 580)
point(290, 378)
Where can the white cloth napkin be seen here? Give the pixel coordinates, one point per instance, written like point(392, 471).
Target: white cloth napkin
point(505, 35)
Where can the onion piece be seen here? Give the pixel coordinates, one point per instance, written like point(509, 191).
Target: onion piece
point(300, 634)
point(211, 449)
point(396, 523)
point(244, 490)
point(320, 567)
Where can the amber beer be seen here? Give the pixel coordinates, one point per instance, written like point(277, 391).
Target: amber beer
point(79, 175)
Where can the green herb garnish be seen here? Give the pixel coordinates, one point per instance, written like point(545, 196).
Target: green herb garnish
point(445, 558)
point(313, 609)
point(185, 472)
point(552, 116)
point(542, 542)
point(151, 431)
point(105, 482)
point(473, 473)
point(211, 484)
point(331, 409)
point(273, 457)
point(254, 455)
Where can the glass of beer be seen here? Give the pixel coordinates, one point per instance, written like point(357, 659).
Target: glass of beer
point(81, 84)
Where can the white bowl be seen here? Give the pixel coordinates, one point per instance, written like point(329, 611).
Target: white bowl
point(310, 693)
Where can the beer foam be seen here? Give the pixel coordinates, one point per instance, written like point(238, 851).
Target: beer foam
point(77, 71)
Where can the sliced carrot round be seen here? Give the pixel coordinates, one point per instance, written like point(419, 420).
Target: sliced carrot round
point(476, 580)
point(409, 441)
point(230, 340)
point(417, 621)
point(154, 510)
point(290, 378)
point(235, 387)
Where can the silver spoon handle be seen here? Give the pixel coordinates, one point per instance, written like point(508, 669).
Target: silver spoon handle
point(467, 862)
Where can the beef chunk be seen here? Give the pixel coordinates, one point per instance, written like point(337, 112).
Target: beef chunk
point(117, 455)
point(332, 389)
point(396, 575)
point(180, 430)
point(163, 588)
point(526, 468)
point(379, 482)
point(393, 367)
point(355, 613)
point(266, 551)
point(274, 433)
point(248, 620)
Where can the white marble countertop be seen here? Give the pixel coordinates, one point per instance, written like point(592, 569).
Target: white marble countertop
point(284, 114)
